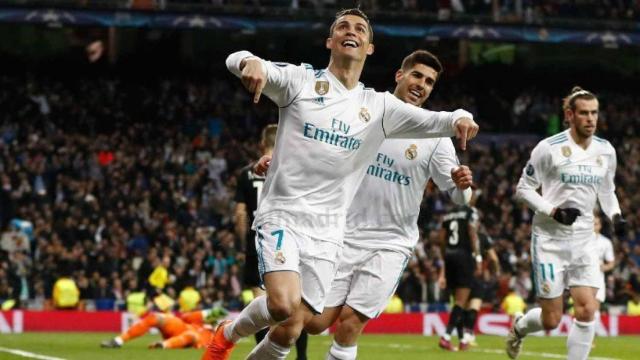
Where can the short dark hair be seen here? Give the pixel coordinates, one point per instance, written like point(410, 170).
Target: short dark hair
point(422, 57)
point(569, 102)
point(355, 12)
point(268, 137)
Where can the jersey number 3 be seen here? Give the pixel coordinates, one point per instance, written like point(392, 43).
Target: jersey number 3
point(453, 233)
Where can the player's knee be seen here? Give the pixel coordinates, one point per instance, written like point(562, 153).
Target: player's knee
point(350, 328)
point(586, 311)
point(282, 309)
point(551, 320)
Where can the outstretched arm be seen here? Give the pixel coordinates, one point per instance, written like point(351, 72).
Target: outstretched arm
point(279, 81)
point(402, 120)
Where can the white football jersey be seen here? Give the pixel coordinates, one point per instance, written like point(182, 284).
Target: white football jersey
point(384, 212)
point(326, 135)
point(604, 249)
point(569, 176)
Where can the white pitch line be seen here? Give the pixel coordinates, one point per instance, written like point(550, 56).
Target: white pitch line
point(539, 354)
point(28, 354)
point(487, 351)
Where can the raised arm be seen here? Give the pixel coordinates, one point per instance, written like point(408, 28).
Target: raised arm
point(402, 120)
point(281, 82)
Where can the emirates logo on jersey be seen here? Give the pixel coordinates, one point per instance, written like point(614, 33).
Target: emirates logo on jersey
point(322, 87)
point(411, 152)
point(566, 151)
point(364, 114)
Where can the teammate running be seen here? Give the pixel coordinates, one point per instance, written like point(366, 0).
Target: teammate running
point(575, 169)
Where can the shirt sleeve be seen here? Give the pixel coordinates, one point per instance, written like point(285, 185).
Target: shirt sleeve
point(532, 178)
point(608, 252)
point(607, 192)
point(284, 81)
point(402, 120)
point(442, 161)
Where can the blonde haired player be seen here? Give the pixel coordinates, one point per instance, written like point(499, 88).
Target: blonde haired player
point(574, 169)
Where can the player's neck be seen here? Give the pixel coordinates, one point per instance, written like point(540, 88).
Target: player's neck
point(268, 152)
point(346, 71)
point(581, 141)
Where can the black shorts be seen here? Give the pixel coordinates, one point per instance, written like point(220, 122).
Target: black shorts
point(251, 273)
point(459, 269)
point(477, 289)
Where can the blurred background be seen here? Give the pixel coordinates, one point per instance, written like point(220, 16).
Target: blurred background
point(122, 133)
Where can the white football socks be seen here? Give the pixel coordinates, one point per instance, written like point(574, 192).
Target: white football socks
point(580, 339)
point(531, 322)
point(338, 352)
point(268, 350)
point(253, 318)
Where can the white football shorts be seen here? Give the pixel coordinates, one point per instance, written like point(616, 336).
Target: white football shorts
point(563, 263)
point(283, 248)
point(366, 279)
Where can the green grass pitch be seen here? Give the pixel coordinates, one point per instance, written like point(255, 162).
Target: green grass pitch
point(77, 346)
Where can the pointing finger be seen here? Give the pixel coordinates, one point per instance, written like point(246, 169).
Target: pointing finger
point(259, 87)
point(463, 138)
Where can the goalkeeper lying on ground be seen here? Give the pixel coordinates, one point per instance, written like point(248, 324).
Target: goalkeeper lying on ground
point(192, 329)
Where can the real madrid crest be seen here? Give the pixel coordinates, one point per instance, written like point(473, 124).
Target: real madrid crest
point(280, 259)
point(530, 170)
point(599, 160)
point(411, 152)
point(322, 87)
point(566, 151)
point(364, 115)
point(546, 288)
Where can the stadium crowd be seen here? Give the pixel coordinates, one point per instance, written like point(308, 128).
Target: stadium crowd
point(529, 11)
point(127, 186)
point(500, 11)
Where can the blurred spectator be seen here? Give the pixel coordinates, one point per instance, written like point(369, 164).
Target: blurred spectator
point(65, 294)
point(513, 303)
point(14, 240)
point(137, 302)
point(160, 276)
point(189, 299)
point(394, 306)
point(633, 306)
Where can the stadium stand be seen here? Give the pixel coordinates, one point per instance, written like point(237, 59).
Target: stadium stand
point(112, 196)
